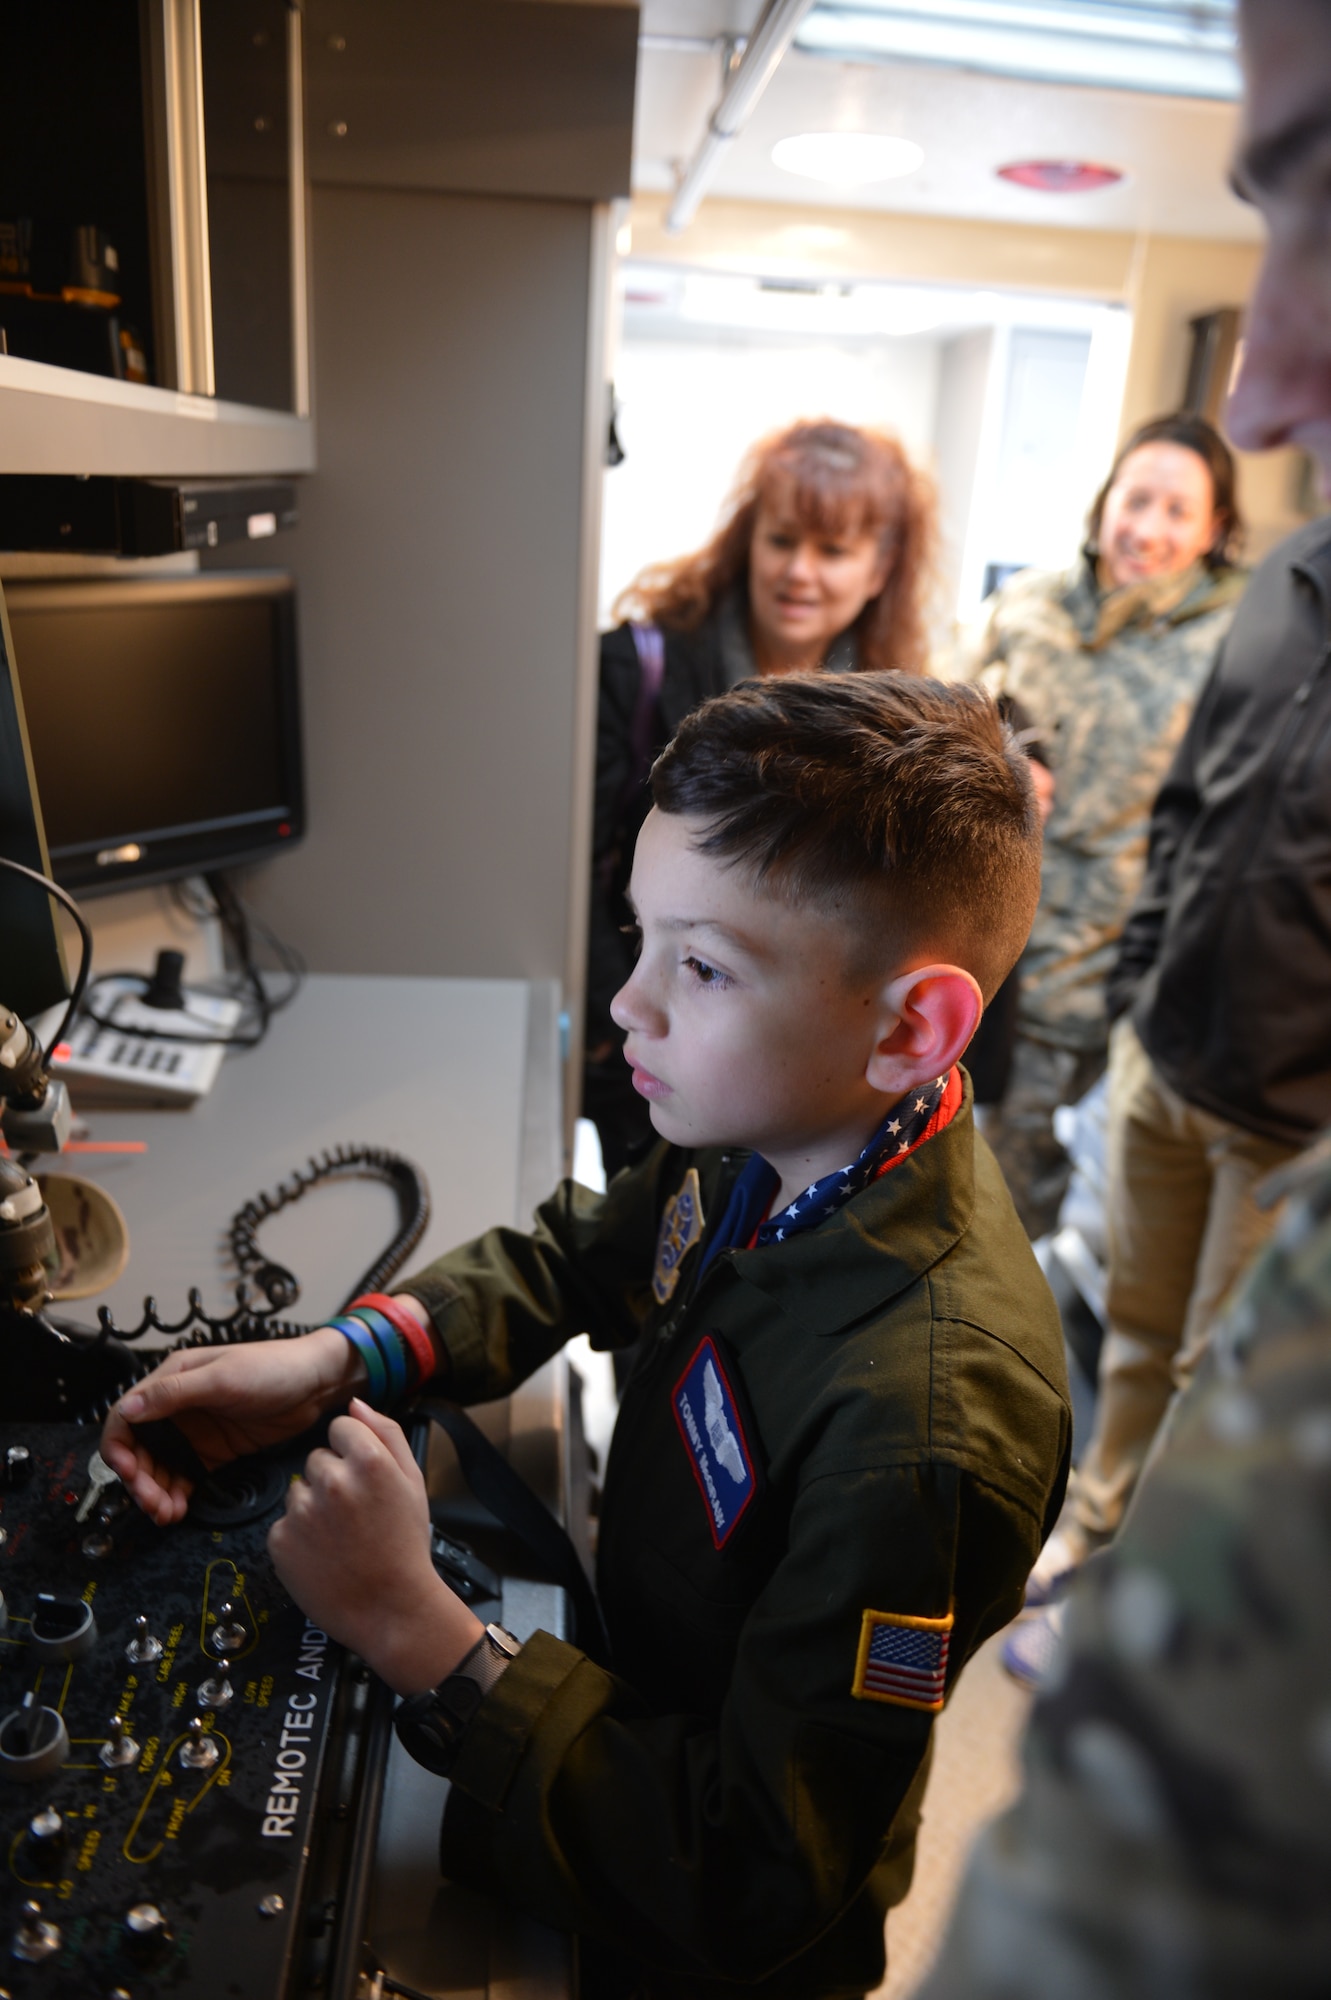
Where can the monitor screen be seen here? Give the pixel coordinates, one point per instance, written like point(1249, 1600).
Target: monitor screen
point(32, 963)
point(164, 721)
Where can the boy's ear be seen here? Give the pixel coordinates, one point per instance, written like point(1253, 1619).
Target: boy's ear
point(929, 1016)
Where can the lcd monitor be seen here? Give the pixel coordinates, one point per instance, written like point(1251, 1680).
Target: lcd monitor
point(32, 965)
point(163, 716)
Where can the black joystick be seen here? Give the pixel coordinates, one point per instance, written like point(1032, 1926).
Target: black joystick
point(164, 989)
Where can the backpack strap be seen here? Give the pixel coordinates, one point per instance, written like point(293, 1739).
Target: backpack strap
point(649, 644)
point(509, 1498)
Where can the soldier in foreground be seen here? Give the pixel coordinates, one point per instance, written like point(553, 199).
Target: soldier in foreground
point(1174, 1835)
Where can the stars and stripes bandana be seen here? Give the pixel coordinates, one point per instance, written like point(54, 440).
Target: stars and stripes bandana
point(907, 1125)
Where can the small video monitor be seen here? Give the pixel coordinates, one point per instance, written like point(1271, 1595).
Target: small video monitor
point(164, 721)
point(32, 964)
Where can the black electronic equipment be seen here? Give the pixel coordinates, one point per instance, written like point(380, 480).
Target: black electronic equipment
point(34, 965)
point(189, 1770)
point(140, 517)
point(164, 722)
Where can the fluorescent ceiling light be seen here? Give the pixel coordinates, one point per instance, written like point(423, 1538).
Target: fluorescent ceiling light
point(847, 159)
point(826, 311)
point(661, 296)
point(1147, 45)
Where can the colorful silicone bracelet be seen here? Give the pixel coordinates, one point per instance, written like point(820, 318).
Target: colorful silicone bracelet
point(391, 1345)
point(367, 1347)
point(416, 1336)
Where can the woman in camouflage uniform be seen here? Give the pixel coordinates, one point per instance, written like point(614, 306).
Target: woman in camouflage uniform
point(1105, 660)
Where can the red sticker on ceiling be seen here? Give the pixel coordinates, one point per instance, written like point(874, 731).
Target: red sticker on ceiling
point(1060, 176)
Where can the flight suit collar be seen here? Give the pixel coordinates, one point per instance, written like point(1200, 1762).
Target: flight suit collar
point(875, 1246)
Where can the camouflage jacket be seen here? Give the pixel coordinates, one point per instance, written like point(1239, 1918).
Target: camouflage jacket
point(1173, 1840)
point(1109, 679)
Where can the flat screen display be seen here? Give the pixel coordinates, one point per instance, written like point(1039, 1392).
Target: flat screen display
point(164, 722)
point(32, 964)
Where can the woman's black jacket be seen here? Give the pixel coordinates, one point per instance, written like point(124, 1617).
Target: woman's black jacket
point(1226, 959)
point(698, 664)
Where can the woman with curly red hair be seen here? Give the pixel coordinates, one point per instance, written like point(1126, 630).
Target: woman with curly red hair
point(821, 559)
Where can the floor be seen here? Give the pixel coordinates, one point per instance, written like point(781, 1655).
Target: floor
point(976, 1773)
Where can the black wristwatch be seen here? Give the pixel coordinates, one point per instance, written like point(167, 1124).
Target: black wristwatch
point(431, 1726)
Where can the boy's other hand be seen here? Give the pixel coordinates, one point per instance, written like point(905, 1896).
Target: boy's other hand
point(228, 1402)
point(353, 1549)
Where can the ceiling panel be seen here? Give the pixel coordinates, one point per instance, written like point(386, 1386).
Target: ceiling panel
point(1173, 152)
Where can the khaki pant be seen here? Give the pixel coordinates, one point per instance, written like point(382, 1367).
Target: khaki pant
point(1181, 1225)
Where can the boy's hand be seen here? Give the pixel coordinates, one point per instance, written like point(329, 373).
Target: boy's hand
point(228, 1401)
point(353, 1549)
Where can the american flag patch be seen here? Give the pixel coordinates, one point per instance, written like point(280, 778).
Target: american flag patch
point(902, 1660)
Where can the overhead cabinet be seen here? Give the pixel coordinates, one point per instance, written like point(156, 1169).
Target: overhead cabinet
point(153, 313)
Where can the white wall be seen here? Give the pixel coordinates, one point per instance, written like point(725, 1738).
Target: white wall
point(439, 560)
point(1036, 450)
point(965, 368)
point(689, 409)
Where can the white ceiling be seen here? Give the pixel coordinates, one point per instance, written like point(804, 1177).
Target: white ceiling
point(1173, 151)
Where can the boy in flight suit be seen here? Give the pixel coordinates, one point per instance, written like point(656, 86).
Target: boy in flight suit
point(846, 1434)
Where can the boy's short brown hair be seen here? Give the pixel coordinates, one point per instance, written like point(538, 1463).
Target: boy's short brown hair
point(904, 802)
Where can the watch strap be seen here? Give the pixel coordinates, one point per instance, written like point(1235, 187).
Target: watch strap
point(431, 1726)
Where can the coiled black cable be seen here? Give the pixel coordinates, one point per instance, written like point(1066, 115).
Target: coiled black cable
point(345, 1162)
point(250, 1320)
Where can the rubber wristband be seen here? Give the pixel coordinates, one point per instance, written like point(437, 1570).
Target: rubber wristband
point(391, 1346)
point(367, 1347)
point(416, 1336)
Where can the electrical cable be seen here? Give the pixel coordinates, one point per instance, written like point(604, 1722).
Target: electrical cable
point(249, 1321)
point(237, 923)
point(62, 896)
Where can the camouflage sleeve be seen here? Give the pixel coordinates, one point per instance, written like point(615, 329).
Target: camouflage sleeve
point(1174, 1833)
point(1175, 808)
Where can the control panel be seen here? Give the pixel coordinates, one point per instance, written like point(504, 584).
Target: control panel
point(182, 1753)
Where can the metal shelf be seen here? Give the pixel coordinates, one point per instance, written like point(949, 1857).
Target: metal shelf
point(59, 420)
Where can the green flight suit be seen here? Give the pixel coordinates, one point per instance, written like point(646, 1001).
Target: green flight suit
point(721, 1808)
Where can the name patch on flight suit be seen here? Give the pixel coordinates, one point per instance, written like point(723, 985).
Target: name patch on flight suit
point(681, 1226)
point(707, 1413)
point(902, 1660)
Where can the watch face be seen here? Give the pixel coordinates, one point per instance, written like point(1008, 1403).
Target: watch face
point(431, 1726)
point(427, 1735)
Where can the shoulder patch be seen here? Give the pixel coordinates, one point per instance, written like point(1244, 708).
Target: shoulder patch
point(707, 1412)
point(902, 1660)
point(681, 1226)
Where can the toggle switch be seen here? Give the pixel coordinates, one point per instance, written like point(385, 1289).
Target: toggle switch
point(198, 1752)
point(143, 1648)
point(35, 1939)
point(119, 1748)
point(217, 1690)
point(228, 1634)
